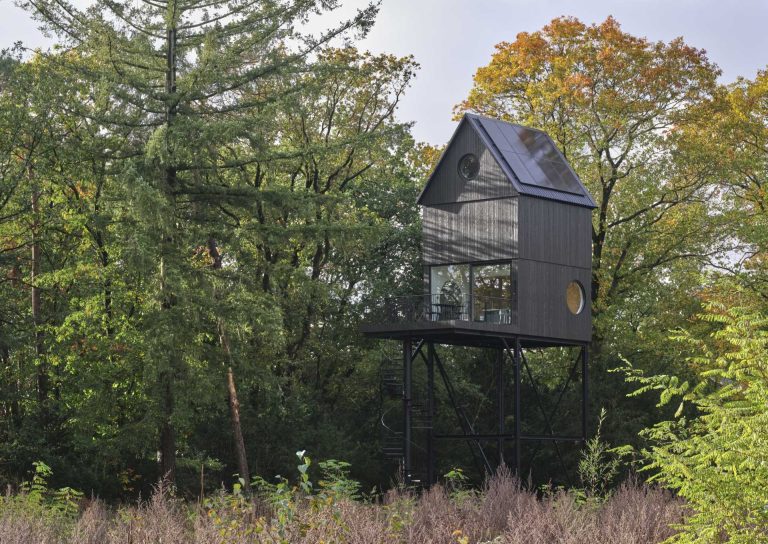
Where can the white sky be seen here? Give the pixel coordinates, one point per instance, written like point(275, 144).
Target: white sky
point(452, 38)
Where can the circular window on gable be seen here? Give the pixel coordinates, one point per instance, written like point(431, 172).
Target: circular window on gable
point(469, 166)
point(574, 297)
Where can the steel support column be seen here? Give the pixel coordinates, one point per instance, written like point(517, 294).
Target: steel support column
point(431, 414)
point(500, 403)
point(407, 405)
point(584, 390)
point(518, 445)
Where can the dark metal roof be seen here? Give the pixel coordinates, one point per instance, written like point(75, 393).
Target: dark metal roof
point(530, 160)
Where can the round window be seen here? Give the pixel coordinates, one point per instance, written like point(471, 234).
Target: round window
point(469, 166)
point(574, 297)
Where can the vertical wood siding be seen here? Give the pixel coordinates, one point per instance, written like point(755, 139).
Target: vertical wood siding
point(448, 187)
point(485, 230)
point(555, 232)
point(555, 248)
point(541, 301)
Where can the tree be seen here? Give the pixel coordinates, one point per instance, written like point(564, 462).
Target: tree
point(713, 450)
point(172, 75)
point(734, 142)
point(713, 453)
point(614, 104)
point(339, 227)
point(620, 107)
point(57, 234)
point(229, 230)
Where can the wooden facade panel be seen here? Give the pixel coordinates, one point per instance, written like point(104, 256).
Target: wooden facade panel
point(447, 186)
point(484, 230)
point(542, 301)
point(555, 232)
point(486, 220)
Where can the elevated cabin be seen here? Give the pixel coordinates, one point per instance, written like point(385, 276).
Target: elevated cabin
point(506, 242)
point(507, 265)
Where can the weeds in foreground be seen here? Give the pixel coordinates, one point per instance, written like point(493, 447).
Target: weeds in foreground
point(331, 511)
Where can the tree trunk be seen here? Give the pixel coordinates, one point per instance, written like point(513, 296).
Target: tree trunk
point(168, 300)
point(13, 389)
point(167, 434)
point(234, 403)
point(234, 411)
point(42, 371)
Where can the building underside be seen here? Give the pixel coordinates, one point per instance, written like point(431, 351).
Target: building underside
point(413, 441)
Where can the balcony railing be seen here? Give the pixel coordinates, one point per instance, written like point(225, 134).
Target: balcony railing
point(421, 308)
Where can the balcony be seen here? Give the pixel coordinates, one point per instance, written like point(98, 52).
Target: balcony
point(434, 315)
point(431, 308)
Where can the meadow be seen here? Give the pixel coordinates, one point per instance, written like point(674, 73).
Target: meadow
point(503, 511)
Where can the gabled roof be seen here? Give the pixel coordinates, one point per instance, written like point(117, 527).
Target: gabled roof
point(529, 159)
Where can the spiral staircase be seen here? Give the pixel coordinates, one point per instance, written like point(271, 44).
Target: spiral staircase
point(392, 417)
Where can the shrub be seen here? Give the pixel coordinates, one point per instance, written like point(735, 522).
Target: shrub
point(502, 512)
point(715, 451)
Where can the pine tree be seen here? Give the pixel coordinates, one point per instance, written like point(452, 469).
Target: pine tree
point(182, 82)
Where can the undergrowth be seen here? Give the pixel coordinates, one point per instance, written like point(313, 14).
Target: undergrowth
point(334, 510)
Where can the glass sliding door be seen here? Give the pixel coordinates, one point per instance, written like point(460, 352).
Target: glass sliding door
point(473, 292)
point(494, 293)
point(449, 292)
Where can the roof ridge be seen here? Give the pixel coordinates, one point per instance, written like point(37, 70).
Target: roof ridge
point(496, 152)
point(549, 174)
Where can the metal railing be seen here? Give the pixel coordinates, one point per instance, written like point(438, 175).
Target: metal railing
point(420, 308)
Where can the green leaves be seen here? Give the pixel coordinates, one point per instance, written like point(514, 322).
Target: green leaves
point(599, 464)
point(198, 169)
point(717, 460)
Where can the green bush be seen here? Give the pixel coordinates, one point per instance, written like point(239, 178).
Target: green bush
point(715, 450)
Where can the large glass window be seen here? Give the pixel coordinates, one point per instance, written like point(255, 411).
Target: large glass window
point(478, 292)
point(493, 290)
point(450, 292)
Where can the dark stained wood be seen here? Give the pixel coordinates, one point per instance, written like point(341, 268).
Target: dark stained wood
point(487, 219)
point(484, 230)
point(448, 187)
point(542, 308)
point(460, 333)
point(555, 248)
point(555, 232)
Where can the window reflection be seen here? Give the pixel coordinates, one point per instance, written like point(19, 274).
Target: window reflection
point(492, 293)
point(450, 292)
point(480, 292)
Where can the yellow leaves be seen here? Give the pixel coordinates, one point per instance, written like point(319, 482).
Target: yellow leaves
point(568, 68)
point(460, 537)
point(606, 54)
point(84, 190)
point(563, 28)
point(424, 158)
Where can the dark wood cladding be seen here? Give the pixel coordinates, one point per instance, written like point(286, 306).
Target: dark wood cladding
point(448, 187)
point(555, 248)
point(555, 232)
point(541, 301)
point(484, 230)
point(492, 218)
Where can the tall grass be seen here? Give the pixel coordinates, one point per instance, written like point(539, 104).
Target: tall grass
point(503, 512)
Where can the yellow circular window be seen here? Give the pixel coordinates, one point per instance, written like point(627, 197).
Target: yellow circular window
point(574, 297)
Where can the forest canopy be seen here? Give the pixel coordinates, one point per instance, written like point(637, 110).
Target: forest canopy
point(199, 200)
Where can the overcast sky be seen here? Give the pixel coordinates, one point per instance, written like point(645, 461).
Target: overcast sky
point(452, 38)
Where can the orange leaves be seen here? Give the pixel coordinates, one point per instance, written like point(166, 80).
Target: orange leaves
point(84, 189)
point(568, 69)
point(565, 28)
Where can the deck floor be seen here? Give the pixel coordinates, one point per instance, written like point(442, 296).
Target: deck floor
point(462, 333)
